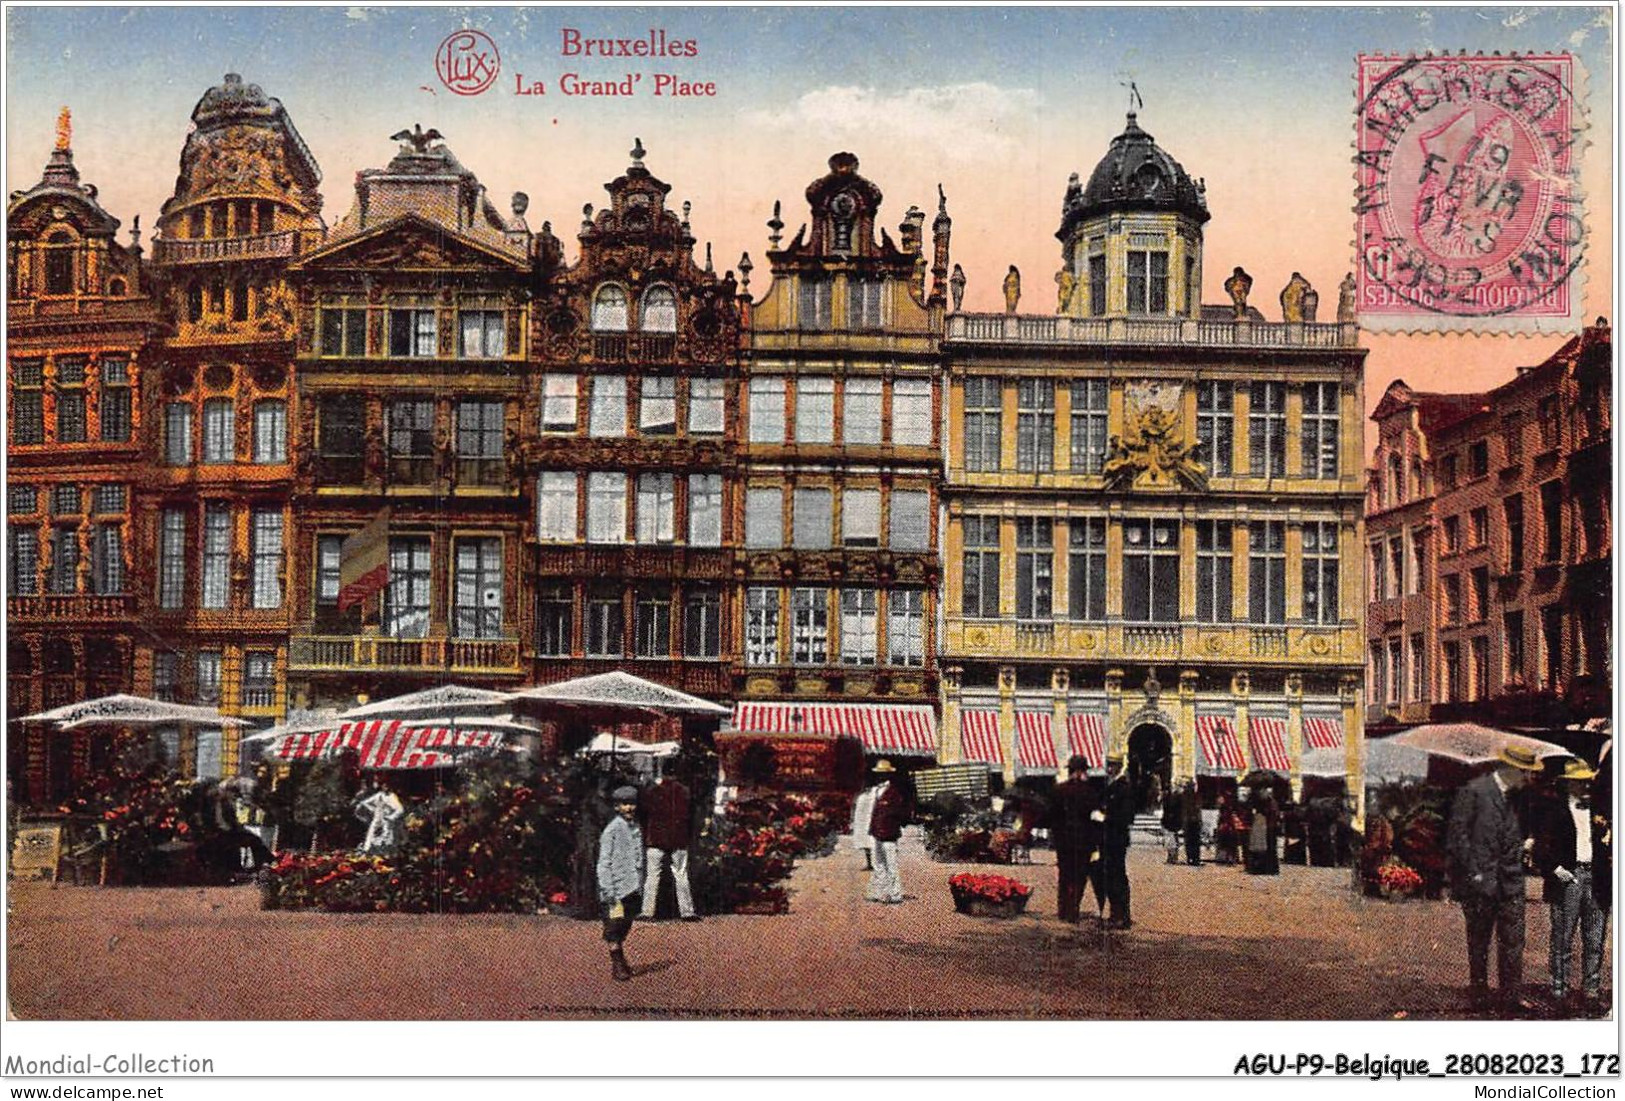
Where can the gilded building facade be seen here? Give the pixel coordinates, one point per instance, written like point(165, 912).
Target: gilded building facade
point(83, 333)
point(628, 444)
point(841, 465)
point(1153, 509)
point(414, 321)
point(1490, 545)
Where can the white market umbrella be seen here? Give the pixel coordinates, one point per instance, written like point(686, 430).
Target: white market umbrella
point(613, 745)
point(1470, 743)
point(621, 691)
point(445, 699)
point(313, 724)
point(126, 710)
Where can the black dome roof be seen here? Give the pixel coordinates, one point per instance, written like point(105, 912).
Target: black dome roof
point(1135, 174)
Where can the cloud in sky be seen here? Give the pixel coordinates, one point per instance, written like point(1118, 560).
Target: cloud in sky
point(973, 121)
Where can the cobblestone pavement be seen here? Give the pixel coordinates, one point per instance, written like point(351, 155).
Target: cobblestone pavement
point(1207, 943)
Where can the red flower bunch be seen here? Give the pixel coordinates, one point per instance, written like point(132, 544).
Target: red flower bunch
point(1399, 878)
point(993, 888)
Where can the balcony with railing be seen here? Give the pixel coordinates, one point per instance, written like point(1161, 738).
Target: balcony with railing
point(1196, 643)
point(312, 653)
point(634, 347)
point(208, 250)
point(69, 606)
point(1024, 329)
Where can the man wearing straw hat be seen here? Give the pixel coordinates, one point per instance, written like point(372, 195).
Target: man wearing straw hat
point(1571, 850)
point(886, 826)
point(1486, 846)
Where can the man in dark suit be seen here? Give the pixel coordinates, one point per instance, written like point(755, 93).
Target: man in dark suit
point(1485, 846)
point(1119, 817)
point(1077, 837)
point(666, 833)
point(1574, 858)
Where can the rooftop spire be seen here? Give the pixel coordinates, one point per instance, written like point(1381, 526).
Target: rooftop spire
point(64, 130)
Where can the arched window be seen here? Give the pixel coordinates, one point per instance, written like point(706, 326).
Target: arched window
point(115, 288)
point(59, 264)
point(609, 309)
point(659, 311)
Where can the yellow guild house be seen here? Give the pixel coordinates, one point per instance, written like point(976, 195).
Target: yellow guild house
point(1153, 511)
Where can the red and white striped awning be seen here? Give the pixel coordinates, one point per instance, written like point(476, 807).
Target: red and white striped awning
point(1087, 733)
point(899, 728)
point(388, 743)
point(1035, 749)
point(1220, 749)
point(1323, 731)
point(1267, 734)
point(979, 737)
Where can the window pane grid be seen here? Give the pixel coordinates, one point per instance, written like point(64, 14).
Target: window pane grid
point(984, 411)
point(1035, 425)
point(1088, 425)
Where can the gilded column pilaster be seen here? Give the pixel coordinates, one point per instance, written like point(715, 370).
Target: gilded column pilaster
point(1241, 691)
point(1185, 738)
point(953, 742)
point(1294, 731)
point(1060, 681)
point(1116, 736)
point(1007, 720)
point(1349, 693)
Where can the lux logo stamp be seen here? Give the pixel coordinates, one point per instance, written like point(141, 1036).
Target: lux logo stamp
point(1467, 198)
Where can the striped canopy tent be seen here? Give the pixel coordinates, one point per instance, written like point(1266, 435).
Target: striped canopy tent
point(126, 710)
point(399, 743)
point(619, 692)
point(979, 737)
point(1221, 751)
point(1035, 748)
point(1322, 731)
point(1267, 738)
point(1086, 733)
point(908, 730)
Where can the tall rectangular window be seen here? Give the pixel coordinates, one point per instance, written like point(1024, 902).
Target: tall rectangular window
point(411, 441)
point(607, 415)
point(812, 529)
point(813, 303)
point(64, 560)
point(657, 508)
point(27, 401)
point(207, 667)
point(1417, 668)
point(702, 622)
point(1455, 688)
point(559, 403)
point(1097, 285)
point(1086, 569)
point(981, 567)
point(1035, 425)
point(481, 440)
point(477, 592)
point(484, 334)
point(172, 559)
point(329, 553)
point(1216, 426)
point(219, 431)
point(340, 430)
point(115, 400)
point(860, 412)
point(606, 622)
point(860, 626)
point(1450, 590)
point(1151, 571)
point(1452, 534)
point(1481, 593)
point(556, 506)
point(1088, 425)
point(555, 620)
point(22, 564)
point(1035, 566)
point(1551, 519)
point(815, 410)
point(1396, 672)
point(344, 330)
point(651, 622)
point(1215, 592)
point(270, 432)
point(406, 598)
point(259, 689)
point(910, 520)
point(1266, 571)
point(705, 510)
point(905, 627)
point(165, 676)
point(1478, 459)
point(1416, 541)
point(606, 507)
point(657, 405)
point(1551, 638)
point(178, 433)
point(1478, 526)
point(267, 558)
point(767, 410)
point(911, 412)
point(860, 518)
point(863, 298)
point(1550, 423)
point(414, 333)
point(1147, 281)
point(1479, 648)
point(70, 400)
point(216, 555)
point(764, 517)
point(761, 626)
point(984, 413)
point(705, 406)
point(1396, 566)
point(1512, 437)
point(1320, 433)
point(1320, 573)
point(1512, 646)
point(1266, 430)
point(809, 626)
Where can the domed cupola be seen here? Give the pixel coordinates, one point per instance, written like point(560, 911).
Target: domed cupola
point(1136, 174)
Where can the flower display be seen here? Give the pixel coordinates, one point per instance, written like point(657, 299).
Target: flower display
point(988, 887)
point(1398, 878)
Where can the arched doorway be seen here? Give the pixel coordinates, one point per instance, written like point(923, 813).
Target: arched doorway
point(1150, 764)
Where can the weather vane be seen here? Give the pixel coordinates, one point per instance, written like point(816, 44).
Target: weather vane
point(1134, 100)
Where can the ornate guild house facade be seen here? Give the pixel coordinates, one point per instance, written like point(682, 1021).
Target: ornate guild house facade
point(1153, 509)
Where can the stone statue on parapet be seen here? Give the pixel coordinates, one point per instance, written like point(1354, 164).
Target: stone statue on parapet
point(1012, 289)
point(1311, 303)
point(1345, 300)
point(956, 286)
point(1238, 286)
point(1292, 298)
point(1065, 285)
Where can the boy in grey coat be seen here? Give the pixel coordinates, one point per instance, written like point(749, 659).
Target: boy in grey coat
point(620, 876)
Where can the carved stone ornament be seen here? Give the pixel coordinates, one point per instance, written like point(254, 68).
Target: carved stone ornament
point(1151, 451)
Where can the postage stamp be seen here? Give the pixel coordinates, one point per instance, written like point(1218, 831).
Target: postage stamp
point(1467, 195)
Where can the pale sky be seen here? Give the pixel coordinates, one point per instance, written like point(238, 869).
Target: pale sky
point(999, 105)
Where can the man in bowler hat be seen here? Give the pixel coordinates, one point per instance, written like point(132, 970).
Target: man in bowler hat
point(1119, 817)
point(1077, 837)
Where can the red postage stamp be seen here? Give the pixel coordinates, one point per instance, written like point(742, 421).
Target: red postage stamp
point(1467, 197)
